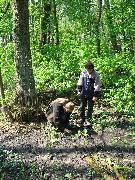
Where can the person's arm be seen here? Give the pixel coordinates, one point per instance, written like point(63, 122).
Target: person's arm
point(97, 86)
point(80, 84)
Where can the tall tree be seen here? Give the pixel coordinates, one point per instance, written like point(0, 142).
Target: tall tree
point(49, 23)
point(127, 24)
point(99, 5)
point(45, 22)
point(2, 95)
point(56, 22)
point(4, 108)
point(22, 54)
point(5, 22)
point(111, 28)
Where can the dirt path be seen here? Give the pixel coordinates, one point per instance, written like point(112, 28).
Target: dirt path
point(39, 152)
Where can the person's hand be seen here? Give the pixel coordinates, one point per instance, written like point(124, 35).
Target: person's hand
point(94, 99)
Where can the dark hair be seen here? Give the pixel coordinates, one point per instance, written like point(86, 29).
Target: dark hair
point(89, 65)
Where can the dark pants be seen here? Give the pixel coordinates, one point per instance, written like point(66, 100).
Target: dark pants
point(86, 102)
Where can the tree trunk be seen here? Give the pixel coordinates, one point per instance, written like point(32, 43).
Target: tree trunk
point(56, 23)
point(45, 20)
point(4, 108)
point(49, 32)
point(22, 54)
point(99, 11)
point(112, 33)
point(1, 87)
point(2, 95)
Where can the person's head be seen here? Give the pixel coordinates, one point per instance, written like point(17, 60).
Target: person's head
point(89, 66)
point(69, 107)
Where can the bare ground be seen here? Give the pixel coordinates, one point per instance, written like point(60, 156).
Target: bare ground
point(37, 151)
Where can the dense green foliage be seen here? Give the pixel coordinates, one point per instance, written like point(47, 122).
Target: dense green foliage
point(64, 34)
point(58, 67)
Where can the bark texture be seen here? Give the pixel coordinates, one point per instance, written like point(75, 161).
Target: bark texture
point(22, 53)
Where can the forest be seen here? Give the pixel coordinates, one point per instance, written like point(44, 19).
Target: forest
point(44, 45)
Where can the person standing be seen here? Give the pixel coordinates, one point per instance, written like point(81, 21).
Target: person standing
point(88, 89)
